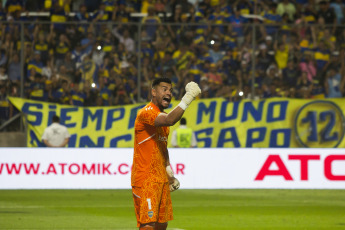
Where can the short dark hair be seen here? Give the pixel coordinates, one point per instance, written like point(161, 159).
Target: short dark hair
point(183, 121)
point(157, 81)
point(56, 118)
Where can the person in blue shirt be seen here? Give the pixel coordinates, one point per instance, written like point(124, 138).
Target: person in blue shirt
point(151, 23)
point(322, 55)
point(216, 53)
point(58, 16)
point(62, 95)
point(271, 19)
point(104, 92)
point(238, 22)
point(77, 95)
point(35, 63)
point(84, 17)
point(77, 55)
point(87, 43)
point(2, 13)
point(101, 15)
point(37, 89)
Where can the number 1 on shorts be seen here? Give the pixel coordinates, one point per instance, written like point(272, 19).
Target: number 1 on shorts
point(149, 203)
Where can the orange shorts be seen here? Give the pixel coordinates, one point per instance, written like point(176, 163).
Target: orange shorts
point(152, 203)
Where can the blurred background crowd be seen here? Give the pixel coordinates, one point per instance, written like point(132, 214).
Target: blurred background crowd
point(100, 53)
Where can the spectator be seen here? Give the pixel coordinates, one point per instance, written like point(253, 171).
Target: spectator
point(264, 59)
point(62, 94)
point(77, 95)
point(101, 15)
point(63, 75)
point(290, 74)
point(35, 63)
point(13, 5)
point(41, 45)
point(14, 68)
point(182, 56)
point(270, 45)
point(77, 55)
point(91, 94)
point(121, 97)
point(3, 57)
point(303, 86)
point(55, 135)
point(8, 43)
point(183, 136)
point(334, 84)
point(49, 70)
point(58, 16)
point(104, 92)
point(132, 90)
point(271, 18)
point(336, 61)
point(69, 65)
point(216, 53)
point(124, 38)
point(48, 91)
point(308, 65)
point(62, 48)
point(271, 74)
point(4, 103)
point(159, 6)
point(328, 15)
point(317, 91)
point(282, 51)
point(83, 17)
point(339, 8)
point(2, 13)
point(37, 88)
point(122, 13)
point(145, 5)
point(215, 79)
point(98, 54)
point(151, 22)
point(3, 76)
point(285, 6)
point(89, 70)
point(239, 25)
point(322, 56)
point(87, 43)
point(310, 13)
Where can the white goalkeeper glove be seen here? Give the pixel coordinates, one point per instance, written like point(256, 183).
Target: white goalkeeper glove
point(174, 184)
point(192, 91)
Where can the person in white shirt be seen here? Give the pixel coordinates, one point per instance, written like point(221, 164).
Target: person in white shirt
point(56, 135)
point(183, 136)
point(124, 38)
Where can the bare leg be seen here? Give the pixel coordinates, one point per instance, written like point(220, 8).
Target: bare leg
point(161, 226)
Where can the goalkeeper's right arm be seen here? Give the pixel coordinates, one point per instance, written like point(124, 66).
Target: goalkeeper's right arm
point(192, 91)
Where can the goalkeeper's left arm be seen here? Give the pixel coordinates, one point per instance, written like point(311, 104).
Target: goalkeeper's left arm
point(174, 184)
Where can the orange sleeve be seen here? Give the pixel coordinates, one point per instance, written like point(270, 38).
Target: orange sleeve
point(148, 115)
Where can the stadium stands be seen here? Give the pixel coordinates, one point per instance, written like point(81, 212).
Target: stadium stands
point(79, 53)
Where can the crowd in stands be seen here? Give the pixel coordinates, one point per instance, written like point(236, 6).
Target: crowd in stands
point(86, 53)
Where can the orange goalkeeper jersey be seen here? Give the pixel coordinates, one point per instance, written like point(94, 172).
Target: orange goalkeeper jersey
point(150, 148)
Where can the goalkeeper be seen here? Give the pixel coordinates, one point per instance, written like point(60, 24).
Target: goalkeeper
point(152, 178)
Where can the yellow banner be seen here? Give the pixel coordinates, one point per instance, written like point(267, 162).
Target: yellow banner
point(276, 122)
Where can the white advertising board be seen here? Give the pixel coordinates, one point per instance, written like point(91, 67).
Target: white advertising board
point(215, 168)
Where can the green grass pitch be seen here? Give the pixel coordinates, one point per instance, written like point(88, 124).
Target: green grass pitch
point(193, 209)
